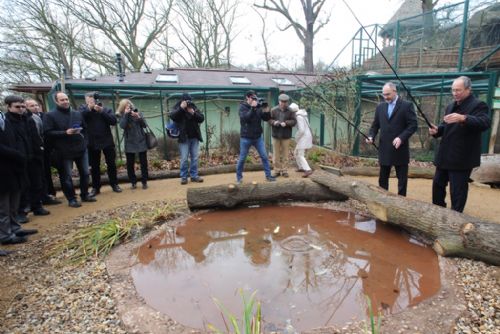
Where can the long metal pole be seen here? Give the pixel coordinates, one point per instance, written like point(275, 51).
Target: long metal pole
point(392, 68)
point(462, 36)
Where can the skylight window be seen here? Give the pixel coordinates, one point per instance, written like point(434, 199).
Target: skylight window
point(240, 80)
point(283, 82)
point(167, 78)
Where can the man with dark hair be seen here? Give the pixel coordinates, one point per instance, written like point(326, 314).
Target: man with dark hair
point(99, 119)
point(14, 151)
point(397, 122)
point(67, 128)
point(460, 148)
point(251, 117)
point(188, 118)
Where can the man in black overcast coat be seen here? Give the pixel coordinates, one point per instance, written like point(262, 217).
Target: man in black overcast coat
point(99, 119)
point(397, 122)
point(460, 148)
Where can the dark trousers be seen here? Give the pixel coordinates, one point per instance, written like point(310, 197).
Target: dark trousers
point(143, 158)
point(401, 173)
point(32, 195)
point(459, 187)
point(48, 185)
point(95, 164)
point(9, 204)
point(65, 171)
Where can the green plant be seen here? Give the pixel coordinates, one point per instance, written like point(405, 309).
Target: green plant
point(120, 163)
point(375, 328)
point(103, 168)
point(251, 319)
point(156, 163)
point(248, 159)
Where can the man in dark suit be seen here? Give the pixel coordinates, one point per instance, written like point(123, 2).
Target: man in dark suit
point(460, 149)
point(397, 122)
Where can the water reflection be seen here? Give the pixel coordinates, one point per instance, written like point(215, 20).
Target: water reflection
point(312, 266)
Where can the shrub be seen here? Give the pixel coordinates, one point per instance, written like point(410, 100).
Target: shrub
point(168, 147)
point(230, 142)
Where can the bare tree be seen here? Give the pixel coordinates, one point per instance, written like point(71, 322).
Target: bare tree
point(205, 30)
point(264, 34)
point(46, 40)
point(306, 32)
point(428, 17)
point(130, 26)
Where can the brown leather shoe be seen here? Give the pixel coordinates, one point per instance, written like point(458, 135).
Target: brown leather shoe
point(307, 173)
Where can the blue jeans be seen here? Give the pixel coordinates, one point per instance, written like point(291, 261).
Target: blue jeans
point(245, 144)
point(190, 147)
point(82, 164)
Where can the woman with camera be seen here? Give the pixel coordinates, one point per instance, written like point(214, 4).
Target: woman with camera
point(133, 123)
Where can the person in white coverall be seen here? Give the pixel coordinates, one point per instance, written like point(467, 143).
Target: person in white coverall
point(303, 138)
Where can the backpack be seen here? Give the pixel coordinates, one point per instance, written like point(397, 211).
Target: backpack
point(173, 130)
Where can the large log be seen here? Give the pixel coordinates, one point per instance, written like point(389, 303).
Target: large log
point(452, 233)
point(489, 171)
point(413, 172)
point(231, 195)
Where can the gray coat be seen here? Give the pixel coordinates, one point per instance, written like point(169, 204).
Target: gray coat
point(133, 133)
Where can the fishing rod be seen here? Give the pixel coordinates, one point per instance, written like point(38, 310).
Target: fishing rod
point(335, 109)
point(388, 63)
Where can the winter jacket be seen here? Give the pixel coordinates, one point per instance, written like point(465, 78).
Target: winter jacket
point(12, 160)
point(460, 147)
point(402, 124)
point(133, 133)
point(251, 121)
point(55, 124)
point(187, 123)
point(303, 136)
point(98, 127)
point(286, 116)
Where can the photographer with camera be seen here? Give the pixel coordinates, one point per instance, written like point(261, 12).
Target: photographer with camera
point(66, 129)
point(133, 124)
point(252, 112)
point(99, 120)
point(188, 118)
point(282, 121)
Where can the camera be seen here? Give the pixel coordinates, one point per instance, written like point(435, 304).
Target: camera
point(97, 97)
point(262, 103)
point(190, 104)
point(135, 110)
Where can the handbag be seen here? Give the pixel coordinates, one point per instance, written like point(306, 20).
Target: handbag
point(173, 130)
point(151, 141)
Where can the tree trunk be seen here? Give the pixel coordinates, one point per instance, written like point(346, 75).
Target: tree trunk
point(231, 195)
point(413, 172)
point(489, 171)
point(452, 233)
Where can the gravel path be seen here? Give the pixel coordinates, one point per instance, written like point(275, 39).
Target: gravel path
point(41, 294)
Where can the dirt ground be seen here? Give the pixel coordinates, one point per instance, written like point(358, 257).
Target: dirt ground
point(482, 202)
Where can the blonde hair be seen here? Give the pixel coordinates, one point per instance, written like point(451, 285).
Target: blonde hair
point(123, 105)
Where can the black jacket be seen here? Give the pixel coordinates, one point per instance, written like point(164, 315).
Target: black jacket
point(402, 124)
point(12, 160)
point(460, 147)
point(187, 122)
point(35, 137)
point(98, 127)
point(55, 124)
point(251, 121)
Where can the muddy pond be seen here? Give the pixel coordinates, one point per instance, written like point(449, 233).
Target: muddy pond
point(311, 267)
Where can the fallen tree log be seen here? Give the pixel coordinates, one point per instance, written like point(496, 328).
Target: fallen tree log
point(452, 233)
point(231, 195)
point(489, 171)
point(413, 172)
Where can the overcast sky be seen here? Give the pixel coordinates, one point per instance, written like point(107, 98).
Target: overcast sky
point(328, 42)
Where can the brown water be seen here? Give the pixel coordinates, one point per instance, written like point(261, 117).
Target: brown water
point(311, 267)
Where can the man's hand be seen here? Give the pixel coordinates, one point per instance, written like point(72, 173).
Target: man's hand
point(454, 118)
point(190, 110)
point(433, 130)
point(97, 108)
point(184, 104)
point(254, 103)
point(283, 124)
point(397, 142)
point(369, 140)
point(72, 131)
point(276, 123)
